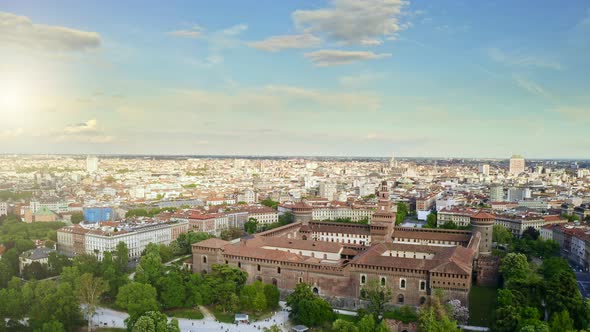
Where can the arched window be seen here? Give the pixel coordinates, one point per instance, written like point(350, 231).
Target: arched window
point(258, 267)
point(382, 281)
point(422, 285)
point(400, 299)
point(300, 280)
point(363, 279)
point(402, 283)
point(239, 265)
point(279, 270)
point(316, 290)
point(204, 259)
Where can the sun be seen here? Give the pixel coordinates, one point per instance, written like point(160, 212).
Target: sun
point(13, 96)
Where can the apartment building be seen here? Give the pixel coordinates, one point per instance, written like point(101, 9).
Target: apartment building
point(73, 240)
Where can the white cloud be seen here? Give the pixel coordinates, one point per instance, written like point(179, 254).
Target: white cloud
point(522, 60)
point(352, 21)
point(362, 79)
point(88, 127)
point(194, 32)
point(22, 32)
point(530, 86)
point(278, 43)
point(11, 133)
point(82, 132)
point(235, 30)
point(337, 57)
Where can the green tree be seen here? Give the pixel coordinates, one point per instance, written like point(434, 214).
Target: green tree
point(341, 325)
point(514, 266)
point(153, 321)
point(77, 217)
point(272, 294)
point(530, 233)
point(377, 295)
point(251, 226)
point(150, 267)
point(369, 324)
point(231, 233)
point(173, 292)
point(561, 321)
point(52, 326)
point(89, 290)
point(259, 302)
point(121, 257)
point(431, 220)
point(137, 299)
point(270, 203)
point(402, 212)
point(434, 317)
point(307, 308)
point(501, 235)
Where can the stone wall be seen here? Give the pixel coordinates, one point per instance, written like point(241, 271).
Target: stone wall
point(487, 270)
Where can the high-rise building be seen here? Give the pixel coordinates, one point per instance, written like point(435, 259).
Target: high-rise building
point(517, 165)
point(91, 164)
point(484, 169)
point(497, 194)
point(327, 190)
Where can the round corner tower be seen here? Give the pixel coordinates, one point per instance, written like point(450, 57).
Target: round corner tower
point(483, 223)
point(302, 213)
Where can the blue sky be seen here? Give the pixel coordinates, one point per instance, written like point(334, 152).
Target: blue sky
point(342, 77)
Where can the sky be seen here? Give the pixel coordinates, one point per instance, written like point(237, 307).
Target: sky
point(320, 78)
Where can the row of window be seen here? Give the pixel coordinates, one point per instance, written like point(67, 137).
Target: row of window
point(402, 282)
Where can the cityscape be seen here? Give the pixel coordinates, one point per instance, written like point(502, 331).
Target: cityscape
point(322, 166)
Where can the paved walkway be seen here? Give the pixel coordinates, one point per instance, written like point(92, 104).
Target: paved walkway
point(110, 318)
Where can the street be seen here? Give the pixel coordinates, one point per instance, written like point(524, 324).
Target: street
point(110, 318)
point(583, 279)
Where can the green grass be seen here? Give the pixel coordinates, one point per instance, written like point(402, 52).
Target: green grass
point(482, 305)
point(108, 329)
point(224, 317)
point(190, 313)
point(348, 318)
point(228, 317)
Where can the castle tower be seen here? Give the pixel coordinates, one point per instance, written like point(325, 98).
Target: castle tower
point(383, 220)
point(483, 223)
point(302, 213)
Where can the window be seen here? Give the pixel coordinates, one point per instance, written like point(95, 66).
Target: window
point(402, 283)
point(258, 267)
point(400, 299)
point(422, 285)
point(239, 265)
point(204, 259)
point(383, 281)
point(278, 270)
point(422, 300)
point(363, 279)
point(300, 280)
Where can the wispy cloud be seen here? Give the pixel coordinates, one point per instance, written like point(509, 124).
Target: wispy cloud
point(515, 59)
point(324, 58)
point(11, 133)
point(195, 31)
point(21, 31)
point(529, 86)
point(576, 114)
point(359, 80)
point(278, 43)
point(353, 22)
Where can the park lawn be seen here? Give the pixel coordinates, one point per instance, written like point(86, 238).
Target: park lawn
point(482, 305)
point(228, 317)
point(189, 313)
point(348, 318)
point(224, 317)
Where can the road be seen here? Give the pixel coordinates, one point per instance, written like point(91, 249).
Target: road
point(110, 318)
point(583, 279)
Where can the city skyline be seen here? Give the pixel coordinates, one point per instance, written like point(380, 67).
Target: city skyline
point(312, 78)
